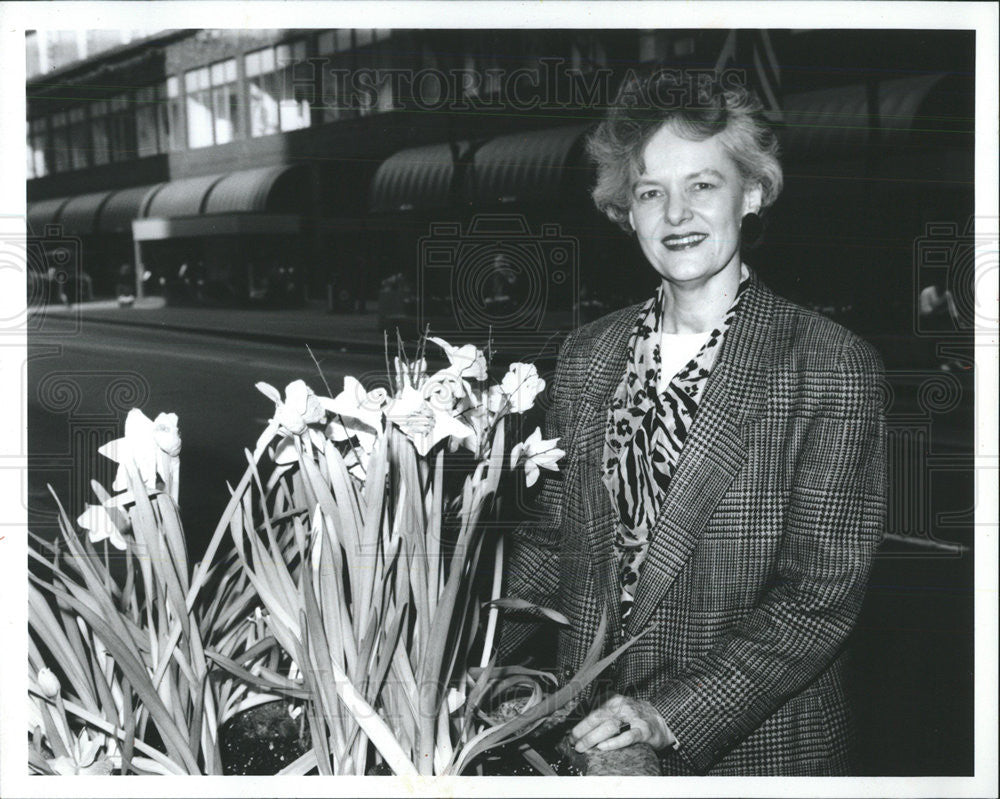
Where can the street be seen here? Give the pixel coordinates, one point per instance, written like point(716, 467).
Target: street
point(79, 394)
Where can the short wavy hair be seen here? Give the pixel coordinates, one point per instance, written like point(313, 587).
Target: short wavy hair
point(645, 103)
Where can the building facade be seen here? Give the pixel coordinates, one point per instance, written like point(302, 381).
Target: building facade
point(264, 165)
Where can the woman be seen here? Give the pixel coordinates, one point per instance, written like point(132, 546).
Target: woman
point(724, 486)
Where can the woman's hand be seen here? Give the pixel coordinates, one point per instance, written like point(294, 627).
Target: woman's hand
point(622, 721)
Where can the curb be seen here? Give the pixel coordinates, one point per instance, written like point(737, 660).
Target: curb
point(280, 339)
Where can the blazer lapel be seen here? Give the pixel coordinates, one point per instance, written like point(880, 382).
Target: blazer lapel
point(714, 451)
point(606, 369)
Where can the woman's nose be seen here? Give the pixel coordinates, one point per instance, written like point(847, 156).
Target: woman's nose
point(676, 209)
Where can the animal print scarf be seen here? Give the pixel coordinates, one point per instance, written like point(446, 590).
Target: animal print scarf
point(646, 431)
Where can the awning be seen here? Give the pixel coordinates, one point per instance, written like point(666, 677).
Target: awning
point(415, 178)
point(833, 124)
point(534, 167)
point(185, 197)
point(122, 207)
point(273, 189)
point(44, 212)
point(79, 215)
point(185, 227)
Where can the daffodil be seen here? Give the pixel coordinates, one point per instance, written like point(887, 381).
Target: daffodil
point(83, 758)
point(536, 453)
point(103, 523)
point(299, 409)
point(151, 446)
point(521, 385)
point(421, 422)
point(357, 422)
point(467, 361)
point(357, 413)
point(48, 683)
point(292, 417)
point(445, 388)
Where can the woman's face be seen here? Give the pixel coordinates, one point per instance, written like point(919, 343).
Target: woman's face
point(687, 207)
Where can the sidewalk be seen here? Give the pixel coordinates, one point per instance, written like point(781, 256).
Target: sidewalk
point(311, 324)
point(314, 325)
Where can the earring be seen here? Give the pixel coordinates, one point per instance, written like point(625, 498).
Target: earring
point(751, 230)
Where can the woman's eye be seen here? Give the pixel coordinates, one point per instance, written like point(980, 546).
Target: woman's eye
point(649, 194)
point(703, 186)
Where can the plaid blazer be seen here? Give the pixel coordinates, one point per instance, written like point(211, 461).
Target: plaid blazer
point(760, 553)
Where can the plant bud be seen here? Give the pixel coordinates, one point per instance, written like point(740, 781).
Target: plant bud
point(48, 683)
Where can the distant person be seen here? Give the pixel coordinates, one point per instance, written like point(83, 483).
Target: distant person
point(125, 285)
point(937, 309)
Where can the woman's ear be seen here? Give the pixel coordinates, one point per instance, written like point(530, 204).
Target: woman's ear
point(752, 199)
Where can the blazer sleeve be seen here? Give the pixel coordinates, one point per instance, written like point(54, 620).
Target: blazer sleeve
point(834, 524)
point(531, 571)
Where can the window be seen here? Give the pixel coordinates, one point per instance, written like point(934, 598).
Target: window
point(99, 142)
point(213, 110)
point(146, 123)
point(30, 166)
point(225, 102)
point(379, 98)
point(332, 90)
point(482, 75)
point(79, 139)
point(295, 84)
point(280, 84)
point(171, 116)
point(263, 92)
point(39, 148)
point(123, 146)
point(197, 89)
point(60, 142)
point(335, 41)
point(587, 54)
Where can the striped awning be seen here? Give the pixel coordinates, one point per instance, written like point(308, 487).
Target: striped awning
point(185, 197)
point(842, 122)
point(44, 212)
point(272, 189)
point(533, 167)
point(414, 179)
point(79, 215)
point(122, 207)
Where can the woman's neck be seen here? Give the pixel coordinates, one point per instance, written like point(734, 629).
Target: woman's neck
point(697, 308)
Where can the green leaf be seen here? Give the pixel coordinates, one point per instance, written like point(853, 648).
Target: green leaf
point(515, 603)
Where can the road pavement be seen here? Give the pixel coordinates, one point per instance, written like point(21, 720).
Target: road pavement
point(81, 385)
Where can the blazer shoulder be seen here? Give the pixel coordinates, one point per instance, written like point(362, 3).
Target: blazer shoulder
point(816, 341)
point(587, 336)
point(588, 349)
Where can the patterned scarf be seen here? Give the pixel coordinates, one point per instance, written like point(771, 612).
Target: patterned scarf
point(646, 431)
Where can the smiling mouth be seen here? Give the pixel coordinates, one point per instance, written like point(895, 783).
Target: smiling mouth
point(677, 243)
